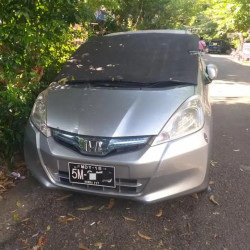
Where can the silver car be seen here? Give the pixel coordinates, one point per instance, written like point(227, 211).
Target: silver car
point(128, 116)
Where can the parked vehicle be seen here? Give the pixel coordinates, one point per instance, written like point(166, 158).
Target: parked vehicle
point(242, 55)
point(245, 53)
point(128, 116)
point(219, 46)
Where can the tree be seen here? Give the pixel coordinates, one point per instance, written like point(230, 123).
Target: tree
point(229, 15)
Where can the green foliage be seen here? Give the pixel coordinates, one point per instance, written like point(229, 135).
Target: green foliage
point(151, 14)
point(15, 109)
point(35, 39)
point(221, 17)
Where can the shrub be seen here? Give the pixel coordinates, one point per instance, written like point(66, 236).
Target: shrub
point(35, 40)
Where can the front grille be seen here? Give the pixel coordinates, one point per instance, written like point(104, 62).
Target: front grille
point(131, 186)
point(98, 146)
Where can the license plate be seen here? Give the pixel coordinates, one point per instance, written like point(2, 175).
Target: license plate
point(92, 175)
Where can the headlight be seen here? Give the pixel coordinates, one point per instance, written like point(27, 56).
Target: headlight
point(39, 114)
point(188, 119)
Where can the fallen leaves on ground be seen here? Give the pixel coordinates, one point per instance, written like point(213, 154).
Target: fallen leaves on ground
point(63, 197)
point(98, 244)
point(213, 163)
point(25, 220)
point(85, 208)
point(159, 214)
point(212, 199)
point(101, 208)
point(160, 245)
point(65, 219)
point(195, 196)
point(23, 241)
point(189, 228)
point(40, 243)
point(111, 203)
point(81, 246)
point(71, 215)
point(7, 180)
point(16, 218)
point(144, 236)
point(129, 219)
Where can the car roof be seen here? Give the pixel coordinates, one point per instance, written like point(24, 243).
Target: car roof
point(217, 40)
point(152, 32)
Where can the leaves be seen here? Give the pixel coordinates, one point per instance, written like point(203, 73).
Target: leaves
point(33, 46)
point(18, 204)
point(25, 220)
point(159, 214)
point(98, 244)
point(63, 197)
point(6, 181)
point(101, 208)
point(85, 208)
point(41, 241)
point(65, 219)
point(195, 196)
point(213, 163)
point(144, 236)
point(111, 203)
point(16, 217)
point(83, 247)
point(129, 219)
point(212, 199)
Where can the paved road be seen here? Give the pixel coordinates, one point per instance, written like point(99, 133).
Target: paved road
point(186, 223)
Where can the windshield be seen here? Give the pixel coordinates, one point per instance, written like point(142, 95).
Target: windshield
point(215, 43)
point(145, 58)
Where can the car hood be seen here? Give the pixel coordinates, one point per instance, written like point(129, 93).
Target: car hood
point(107, 112)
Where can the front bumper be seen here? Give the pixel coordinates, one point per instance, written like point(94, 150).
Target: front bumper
point(150, 174)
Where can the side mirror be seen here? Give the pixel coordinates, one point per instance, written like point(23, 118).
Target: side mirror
point(212, 71)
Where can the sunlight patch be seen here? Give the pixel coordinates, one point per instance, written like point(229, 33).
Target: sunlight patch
point(221, 90)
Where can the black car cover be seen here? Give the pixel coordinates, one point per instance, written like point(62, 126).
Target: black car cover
point(145, 57)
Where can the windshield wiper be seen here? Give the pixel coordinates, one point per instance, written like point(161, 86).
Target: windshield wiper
point(108, 83)
point(123, 83)
point(169, 83)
